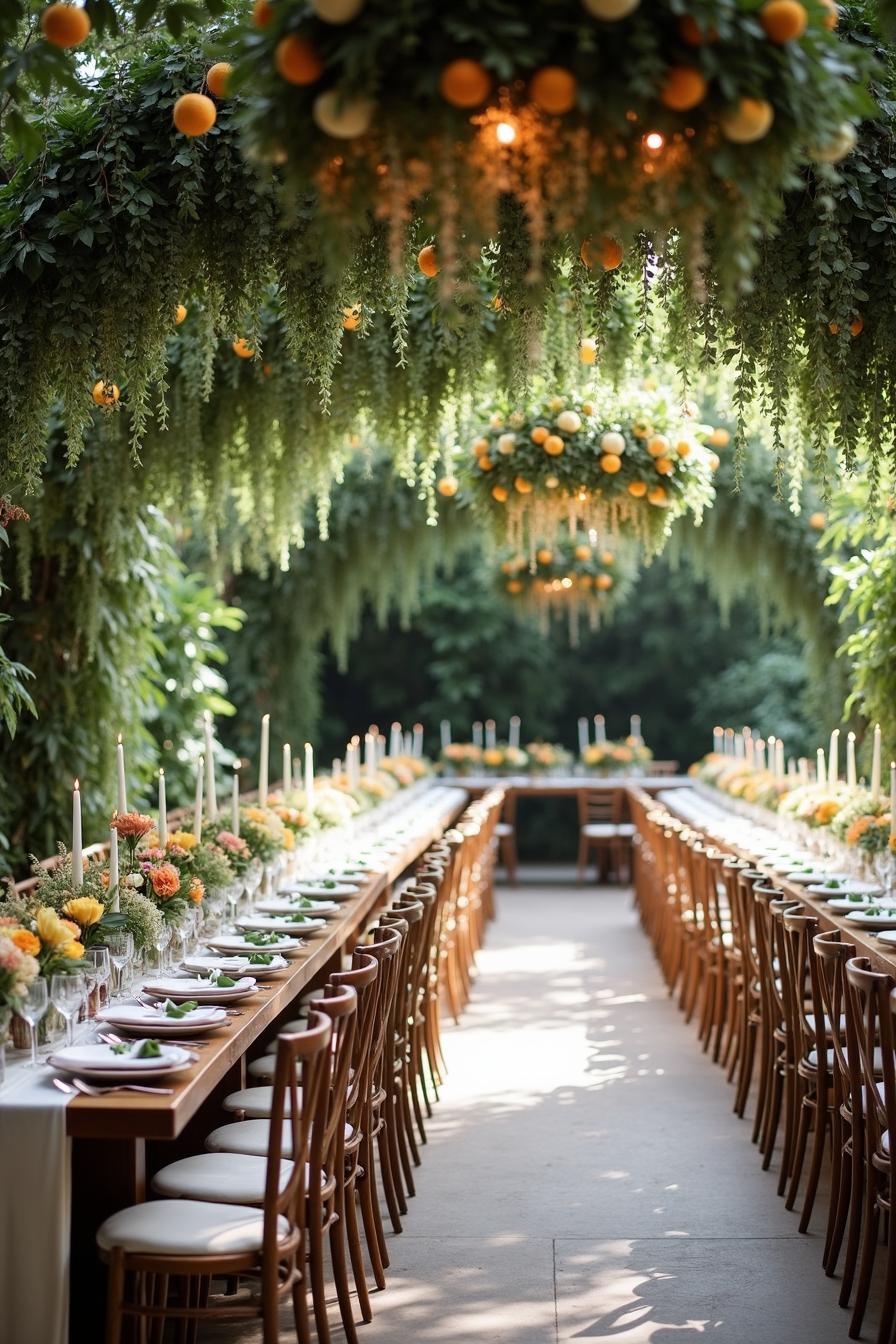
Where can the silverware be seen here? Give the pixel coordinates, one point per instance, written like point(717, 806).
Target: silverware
point(89, 1090)
point(109, 1039)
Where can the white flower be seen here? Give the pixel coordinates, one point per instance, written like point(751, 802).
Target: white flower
point(516, 419)
point(134, 880)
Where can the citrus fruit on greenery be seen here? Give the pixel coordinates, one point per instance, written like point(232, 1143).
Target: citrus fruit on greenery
point(297, 61)
point(554, 445)
point(514, 586)
point(611, 10)
point(719, 438)
point(605, 251)
point(690, 31)
point(242, 349)
point(587, 408)
point(657, 495)
point(337, 11)
point(105, 393)
point(747, 121)
point(217, 77)
point(714, 462)
point(428, 261)
point(783, 20)
point(610, 463)
point(500, 493)
point(539, 434)
point(658, 446)
point(604, 582)
point(612, 442)
point(637, 488)
point(351, 317)
point(569, 421)
point(552, 482)
point(607, 558)
point(583, 552)
point(465, 83)
point(194, 114)
point(544, 556)
point(448, 486)
point(683, 447)
point(262, 13)
point(554, 90)
point(588, 350)
point(832, 14)
point(341, 115)
point(506, 444)
point(684, 87)
point(65, 25)
point(664, 466)
point(180, 313)
point(818, 521)
point(843, 142)
point(522, 486)
point(485, 463)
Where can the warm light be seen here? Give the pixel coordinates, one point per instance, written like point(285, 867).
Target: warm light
point(505, 132)
point(654, 142)
point(566, 583)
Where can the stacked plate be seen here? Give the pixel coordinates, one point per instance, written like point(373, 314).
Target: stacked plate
point(291, 924)
point(298, 904)
point(181, 989)
point(102, 1064)
point(237, 943)
point(204, 962)
point(139, 1020)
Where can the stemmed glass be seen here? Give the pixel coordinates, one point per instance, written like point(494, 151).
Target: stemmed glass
point(67, 993)
point(233, 893)
point(99, 959)
point(121, 949)
point(162, 941)
point(32, 1008)
point(185, 931)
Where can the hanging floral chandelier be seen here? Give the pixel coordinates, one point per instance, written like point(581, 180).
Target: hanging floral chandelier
point(572, 580)
point(625, 467)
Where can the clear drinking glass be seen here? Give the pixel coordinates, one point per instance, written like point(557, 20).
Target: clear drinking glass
point(185, 932)
point(100, 959)
point(32, 1008)
point(67, 993)
point(121, 950)
point(163, 939)
point(233, 893)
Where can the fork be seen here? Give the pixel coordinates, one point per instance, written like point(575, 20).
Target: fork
point(109, 1038)
point(90, 1090)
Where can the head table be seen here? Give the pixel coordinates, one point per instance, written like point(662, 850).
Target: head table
point(66, 1163)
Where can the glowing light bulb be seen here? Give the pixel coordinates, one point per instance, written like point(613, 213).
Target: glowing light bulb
point(654, 142)
point(506, 132)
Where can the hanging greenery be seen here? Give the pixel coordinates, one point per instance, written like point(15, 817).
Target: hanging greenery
point(572, 581)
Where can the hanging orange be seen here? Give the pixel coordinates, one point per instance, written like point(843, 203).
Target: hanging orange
point(657, 495)
point(610, 463)
point(685, 86)
point(297, 60)
point(832, 14)
point(554, 89)
point(351, 317)
point(539, 434)
point(180, 313)
point(747, 121)
point(523, 486)
point(719, 438)
point(465, 83)
point(428, 261)
point(637, 488)
point(500, 493)
point(691, 32)
point(604, 582)
point(783, 20)
point(217, 77)
point(194, 114)
point(664, 466)
point(242, 349)
point(554, 445)
point(448, 486)
point(262, 13)
point(605, 251)
point(485, 463)
point(105, 393)
point(65, 25)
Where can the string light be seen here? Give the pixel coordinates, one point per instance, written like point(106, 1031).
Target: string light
point(654, 141)
point(505, 132)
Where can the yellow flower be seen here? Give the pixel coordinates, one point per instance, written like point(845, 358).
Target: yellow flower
point(25, 941)
point(196, 890)
point(84, 910)
point(493, 756)
point(185, 839)
point(50, 928)
point(289, 839)
point(74, 951)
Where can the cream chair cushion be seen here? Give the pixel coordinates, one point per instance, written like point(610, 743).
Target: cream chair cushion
point(255, 1101)
point(182, 1227)
point(223, 1178)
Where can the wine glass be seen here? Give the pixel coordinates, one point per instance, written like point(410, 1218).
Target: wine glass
point(185, 931)
point(99, 959)
point(162, 941)
point(32, 1007)
point(233, 893)
point(67, 993)
point(121, 949)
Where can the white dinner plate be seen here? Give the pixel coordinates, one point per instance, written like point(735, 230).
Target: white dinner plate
point(843, 904)
point(282, 924)
point(100, 1061)
point(134, 1017)
point(232, 942)
point(865, 920)
point(888, 936)
point(208, 961)
point(301, 904)
point(186, 987)
point(339, 891)
point(848, 887)
point(814, 877)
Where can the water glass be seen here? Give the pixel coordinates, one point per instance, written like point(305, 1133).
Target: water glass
point(67, 993)
point(32, 1008)
point(163, 939)
point(99, 961)
point(121, 950)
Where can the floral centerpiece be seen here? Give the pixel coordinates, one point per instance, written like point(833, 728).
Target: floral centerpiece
point(502, 759)
point(460, 758)
point(607, 758)
point(546, 756)
point(377, 787)
point(172, 876)
point(626, 465)
point(334, 806)
point(19, 967)
point(33, 942)
point(263, 831)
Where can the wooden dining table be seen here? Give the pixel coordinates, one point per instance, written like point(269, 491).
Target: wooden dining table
point(120, 1140)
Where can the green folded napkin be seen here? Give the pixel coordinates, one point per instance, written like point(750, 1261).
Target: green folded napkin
point(179, 1010)
point(145, 1050)
point(261, 958)
point(260, 939)
point(220, 980)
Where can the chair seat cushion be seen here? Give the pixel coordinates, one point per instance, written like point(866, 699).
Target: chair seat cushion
point(255, 1101)
point(878, 1059)
point(810, 1022)
point(250, 1136)
point(223, 1178)
point(264, 1067)
point(600, 830)
point(503, 830)
point(185, 1227)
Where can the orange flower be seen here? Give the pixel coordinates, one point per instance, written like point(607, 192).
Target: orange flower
point(197, 890)
point(132, 825)
point(26, 941)
point(73, 928)
point(165, 880)
point(826, 811)
point(857, 829)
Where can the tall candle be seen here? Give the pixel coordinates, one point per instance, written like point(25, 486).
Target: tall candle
point(395, 740)
point(197, 808)
point(336, 768)
point(380, 747)
point(477, 734)
point(875, 763)
point(418, 741)
point(235, 800)
point(287, 771)
point(122, 785)
point(635, 727)
point(803, 768)
point(892, 799)
point(408, 744)
point(211, 793)
point(729, 741)
point(851, 760)
point(833, 764)
point(491, 736)
point(309, 776)
point(600, 729)
point(750, 749)
point(113, 870)
point(820, 769)
point(369, 754)
point(779, 758)
point(513, 736)
point(760, 752)
point(163, 811)
point(77, 844)
point(263, 759)
point(583, 735)
point(718, 740)
point(445, 733)
point(739, 749)
point(791, 766)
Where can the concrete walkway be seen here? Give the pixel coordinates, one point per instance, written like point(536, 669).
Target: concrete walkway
point(585, 1177)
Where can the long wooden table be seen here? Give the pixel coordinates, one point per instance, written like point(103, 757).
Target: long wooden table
point(120, 1140)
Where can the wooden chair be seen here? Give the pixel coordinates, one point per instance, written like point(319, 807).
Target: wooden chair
point(604, 831)
point(190, 1241)
point(505, 831)
point(657, 768)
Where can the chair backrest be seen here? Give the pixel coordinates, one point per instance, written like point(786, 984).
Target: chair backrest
point(302, 1060)
point(362, 977)
point(662, 768)
point(385, 946)
point(870, 1022)
point(832, 953)
point(800, 980)
point(339, 1003)
point(766, 899)
point(601, 805)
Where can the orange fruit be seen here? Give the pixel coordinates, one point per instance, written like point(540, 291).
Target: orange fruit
point(604, 582)
point(832, 14)
point(610, 463)
point(637, 488)
point(65, 25)
point(583, 552)
point(217, 77)
point(714, 461)
point(607, 558)
point(783, 20)
point(242, 349)
point(447, 486)
point(818, 521)
point(262, 13)
point(587, 350)
point(297, 61)
point(180, 313)
point(539, 434)
point(351, 317)
point(554, 90)
point(105, 393)
point(719, 438)
point(484, 463)
point(194, 114)
point(657, 495)
point(465, 83)
point(500, 493)
point(554, 445)
point(514, 586)
point(480, 447)
point(856, 325)
point(606, 251)
point(658, 446)
point(544, 556)
point(587, 408)
point(747, 121)
point(523, 486)
point(685, 86)
point(428, 261)
point(683, 447)
point(268, 369)
point(691, 32)
point(664, 466)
